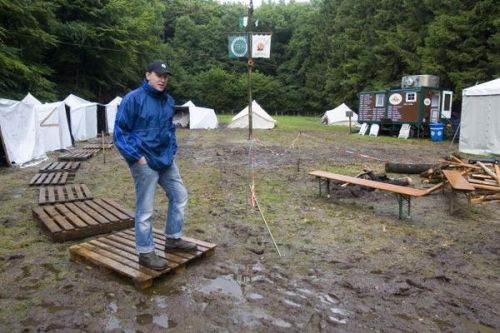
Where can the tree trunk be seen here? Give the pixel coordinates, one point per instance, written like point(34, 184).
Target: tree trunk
point(407, 168)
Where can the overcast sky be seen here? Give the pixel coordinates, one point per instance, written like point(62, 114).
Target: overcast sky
point(256, 3)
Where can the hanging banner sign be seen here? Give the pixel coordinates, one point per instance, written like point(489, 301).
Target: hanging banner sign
point(261, 46)
point(238, 46)
point(243, 21)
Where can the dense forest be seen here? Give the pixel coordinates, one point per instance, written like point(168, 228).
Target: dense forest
point(323, 52)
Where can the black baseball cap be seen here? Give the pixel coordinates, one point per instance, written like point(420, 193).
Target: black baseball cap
point(159, 67)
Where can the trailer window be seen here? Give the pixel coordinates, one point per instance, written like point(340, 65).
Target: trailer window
point(379, 100)
point(411, 97)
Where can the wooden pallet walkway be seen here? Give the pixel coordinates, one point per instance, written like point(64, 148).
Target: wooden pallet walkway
point(65, 193)
point(117, 252)
point(52, 178)
point(75, 220)
point(78, 155)
point(97, 146)
point(61, 166)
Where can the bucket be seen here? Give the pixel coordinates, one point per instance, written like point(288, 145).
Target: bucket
point(436, 131)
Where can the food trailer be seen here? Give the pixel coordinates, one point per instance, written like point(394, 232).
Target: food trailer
point(418, 102)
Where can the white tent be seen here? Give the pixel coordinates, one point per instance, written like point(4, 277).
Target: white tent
point(31, 100)
point(480, 122)
point(111, 109)
point(53, 126)
point(83, 118)
point(260, 118)
point(337, 116)
point(200, 117)
point(19, 131)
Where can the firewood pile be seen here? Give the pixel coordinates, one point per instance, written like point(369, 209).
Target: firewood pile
point(484, 176)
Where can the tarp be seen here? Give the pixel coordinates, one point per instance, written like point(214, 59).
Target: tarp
point(337, 116)
point(53, 126)
point(111, 109)
point(200, 117)
point(260, 118)
point(83, 118)
point(20, 132)
point(480, 121)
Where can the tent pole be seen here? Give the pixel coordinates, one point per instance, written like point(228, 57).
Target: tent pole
point(250, 65)
point(455, 134)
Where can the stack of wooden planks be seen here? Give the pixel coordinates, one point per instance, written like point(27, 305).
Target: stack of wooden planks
point(484, 177)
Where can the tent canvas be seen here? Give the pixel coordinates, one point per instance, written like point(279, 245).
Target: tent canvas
point(260, 118)
point(111, 109)
point(480, 121)
point(83, 118)
point(19, 131)
point(53, 126)
point(195, 117)
point(200, 117)
point(338, 116)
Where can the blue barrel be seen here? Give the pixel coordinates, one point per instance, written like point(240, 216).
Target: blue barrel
point(436, 131)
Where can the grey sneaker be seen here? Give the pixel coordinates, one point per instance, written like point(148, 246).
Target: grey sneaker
point(179, 244)
point(153, 261)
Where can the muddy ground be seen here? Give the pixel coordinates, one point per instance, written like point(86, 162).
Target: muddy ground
point(348, 263)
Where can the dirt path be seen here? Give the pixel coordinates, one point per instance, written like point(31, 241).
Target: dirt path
point(348, 265)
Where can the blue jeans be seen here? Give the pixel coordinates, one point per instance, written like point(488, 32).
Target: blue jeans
point(145, 180)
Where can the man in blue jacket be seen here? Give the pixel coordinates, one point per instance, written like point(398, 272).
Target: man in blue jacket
point(145, 135)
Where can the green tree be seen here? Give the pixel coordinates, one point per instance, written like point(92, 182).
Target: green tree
point(24, 37)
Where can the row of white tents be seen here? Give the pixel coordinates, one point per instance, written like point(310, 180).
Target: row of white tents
point(29, 129)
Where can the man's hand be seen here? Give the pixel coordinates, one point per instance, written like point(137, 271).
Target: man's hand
point(142, 161)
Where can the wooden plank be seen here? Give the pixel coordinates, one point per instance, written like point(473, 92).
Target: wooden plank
point(119, 207)
point(69, 193)
point(45, 220)
point(111, 209)
point(78, 191)
point(117, 253)
point(487, 170)
point(33, 179)
point(60, 193)
point(86, 192)
point(64, 178)
point(97, 217)
point(457, 181)
point(121, 257)
point(78, 219)
point(177, 257)
point(75, 220)
point(372, 184)
point(497, 172)
point(41, 196)
point(103, 261)
point(81, 213)
point(101, 211)
point(57, 217)
point(487, 187)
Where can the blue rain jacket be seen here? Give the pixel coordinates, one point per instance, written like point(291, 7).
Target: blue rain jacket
point(144, 127)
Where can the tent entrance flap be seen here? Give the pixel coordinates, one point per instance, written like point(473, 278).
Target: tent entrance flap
point(4, 160)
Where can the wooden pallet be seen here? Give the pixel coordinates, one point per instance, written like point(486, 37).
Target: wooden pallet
point(66, 193)
point(117, 252)
point(75, 220)
point(61, 166)
point(78, 155)
point(97, 146)
point(52, 178)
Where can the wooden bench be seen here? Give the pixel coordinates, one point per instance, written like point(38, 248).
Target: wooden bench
point(403, 194)
point(458, 184)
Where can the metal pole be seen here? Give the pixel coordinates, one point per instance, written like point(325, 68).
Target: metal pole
point(250, 65)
